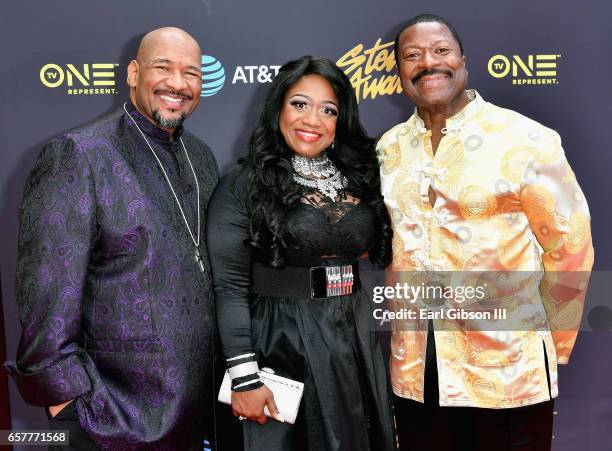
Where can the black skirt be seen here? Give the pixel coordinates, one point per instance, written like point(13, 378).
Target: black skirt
point(328, 344)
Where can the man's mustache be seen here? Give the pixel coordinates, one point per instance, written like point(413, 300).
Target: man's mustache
point(426, 72)
point(173, 93)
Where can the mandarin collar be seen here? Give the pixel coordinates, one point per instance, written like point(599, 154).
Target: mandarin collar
point(152, 130)
point(455, 123)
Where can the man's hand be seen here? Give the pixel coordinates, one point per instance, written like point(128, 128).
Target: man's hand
point(54, 410)
point(251, 404)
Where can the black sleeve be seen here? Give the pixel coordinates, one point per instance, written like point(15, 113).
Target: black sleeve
point(227, 230)
point(56, 231)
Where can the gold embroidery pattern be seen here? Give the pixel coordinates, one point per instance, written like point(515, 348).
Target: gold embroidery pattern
point(391, 158)
point(507, 201)
point(476, 203)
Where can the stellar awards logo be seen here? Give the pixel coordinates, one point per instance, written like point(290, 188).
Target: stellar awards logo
point(371, 71)
point(534, 69)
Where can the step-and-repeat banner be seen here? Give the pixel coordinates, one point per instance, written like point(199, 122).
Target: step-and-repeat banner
point(64, 63)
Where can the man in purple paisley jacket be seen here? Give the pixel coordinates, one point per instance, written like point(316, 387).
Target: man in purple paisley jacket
point(117, 312)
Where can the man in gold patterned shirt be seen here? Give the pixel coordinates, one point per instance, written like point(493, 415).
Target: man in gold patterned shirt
point(474, 187)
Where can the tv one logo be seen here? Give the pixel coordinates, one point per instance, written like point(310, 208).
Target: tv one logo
point(84, 79)
point(540, 69)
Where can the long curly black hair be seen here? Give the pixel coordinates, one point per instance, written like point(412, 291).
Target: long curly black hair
point(272, 191)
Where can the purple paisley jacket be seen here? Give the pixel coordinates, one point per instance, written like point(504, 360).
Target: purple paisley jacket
point(115, 312)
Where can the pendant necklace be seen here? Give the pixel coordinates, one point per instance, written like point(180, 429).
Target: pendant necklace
point(318, 173)
point(196, 241)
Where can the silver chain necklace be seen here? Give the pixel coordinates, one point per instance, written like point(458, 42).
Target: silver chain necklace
point(319, 173)
point(196, 242)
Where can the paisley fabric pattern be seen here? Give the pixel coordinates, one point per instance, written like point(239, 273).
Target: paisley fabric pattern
point(114, 310)
point(505, 200)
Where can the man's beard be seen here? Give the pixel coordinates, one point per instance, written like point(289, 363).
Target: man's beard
point(168, 123)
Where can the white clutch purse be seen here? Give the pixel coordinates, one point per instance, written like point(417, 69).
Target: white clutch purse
point(287, 393)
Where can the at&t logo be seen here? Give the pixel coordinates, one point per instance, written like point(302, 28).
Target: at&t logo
point(85, 79)
point(540, 69)
point(255, 74)
point(213, 76)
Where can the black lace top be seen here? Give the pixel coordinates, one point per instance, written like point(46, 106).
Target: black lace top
point(324, 232)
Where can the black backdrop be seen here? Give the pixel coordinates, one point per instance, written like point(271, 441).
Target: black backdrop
point(57, 54)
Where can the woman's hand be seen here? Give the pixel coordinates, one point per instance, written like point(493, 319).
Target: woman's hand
point(251, 404)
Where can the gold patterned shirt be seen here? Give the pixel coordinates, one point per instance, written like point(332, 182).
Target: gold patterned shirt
point(506, 201)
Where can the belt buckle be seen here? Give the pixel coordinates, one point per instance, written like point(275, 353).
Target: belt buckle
point(330, 281)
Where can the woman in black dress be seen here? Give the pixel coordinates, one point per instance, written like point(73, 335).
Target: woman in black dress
point(306, 196)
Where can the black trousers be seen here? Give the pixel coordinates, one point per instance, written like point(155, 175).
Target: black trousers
point(429, 427)
point(67, 419)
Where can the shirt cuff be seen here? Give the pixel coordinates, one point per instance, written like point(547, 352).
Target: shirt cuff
point(248, 387)
point(244, 372)
point(62, 381)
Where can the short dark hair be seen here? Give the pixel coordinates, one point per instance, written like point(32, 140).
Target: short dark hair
point(425, 18)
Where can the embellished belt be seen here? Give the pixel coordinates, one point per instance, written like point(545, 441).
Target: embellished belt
point(317, 282)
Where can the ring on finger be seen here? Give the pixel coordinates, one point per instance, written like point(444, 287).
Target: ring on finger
point(242, 418)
